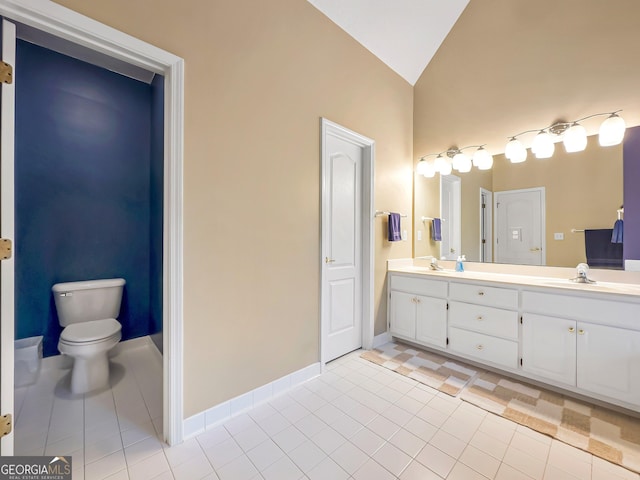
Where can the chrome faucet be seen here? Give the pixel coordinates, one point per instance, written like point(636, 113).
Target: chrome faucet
point(582, 274)
point(434, 264)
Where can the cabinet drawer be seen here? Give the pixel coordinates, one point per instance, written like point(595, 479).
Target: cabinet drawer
point(483, 295)
point(484, 347)
point(612, 312)
point(420, 286)
point(493, 321)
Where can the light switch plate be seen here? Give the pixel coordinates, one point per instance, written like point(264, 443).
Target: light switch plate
point(558, 236)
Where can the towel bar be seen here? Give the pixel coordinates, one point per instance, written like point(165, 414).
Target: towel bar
point(380, 214)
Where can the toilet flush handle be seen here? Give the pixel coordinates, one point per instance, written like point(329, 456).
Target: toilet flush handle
point(66, 294)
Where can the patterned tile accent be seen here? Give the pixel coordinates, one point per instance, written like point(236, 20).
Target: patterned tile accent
point(434, 370)
point(605, 433)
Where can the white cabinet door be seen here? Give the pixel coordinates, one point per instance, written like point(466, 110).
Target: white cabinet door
point(402, 315)
point(431, 320)
point(609, 361)
point(549, 347)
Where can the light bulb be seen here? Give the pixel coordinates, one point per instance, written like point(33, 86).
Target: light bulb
point(440, 163)
point(464, 164)
point(515, 151)
point(542, 145)
point(460, 161)
point(422, 166)
point(446, 167)
point(430, 171)
point(611, 131)
point(575, 139)
point(482, 159)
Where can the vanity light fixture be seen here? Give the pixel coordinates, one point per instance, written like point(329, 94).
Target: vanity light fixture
point(612, 130)
point(574, 137)
point(515, 151)
point(454, 159)
point(482, 159)
point(542, 146)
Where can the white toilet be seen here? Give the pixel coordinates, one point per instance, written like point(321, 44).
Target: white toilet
point(87, 310)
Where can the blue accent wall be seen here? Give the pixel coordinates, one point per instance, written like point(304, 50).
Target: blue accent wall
point(85, 180)
point(631, 149)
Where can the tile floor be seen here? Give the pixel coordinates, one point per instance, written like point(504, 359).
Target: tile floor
point(357, 421)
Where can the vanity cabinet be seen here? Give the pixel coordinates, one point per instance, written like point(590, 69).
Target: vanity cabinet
point(549, 347)
point(609, 361)
point(585, 342)
point(594, 346)
point(481, 331)
point(418, 310)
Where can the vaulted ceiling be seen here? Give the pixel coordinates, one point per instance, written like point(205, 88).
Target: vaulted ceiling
point(404, 34)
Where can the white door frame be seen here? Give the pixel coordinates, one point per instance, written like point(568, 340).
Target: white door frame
point(543, 220)
point(52, 18)
point(488, 221)
point(367, 216)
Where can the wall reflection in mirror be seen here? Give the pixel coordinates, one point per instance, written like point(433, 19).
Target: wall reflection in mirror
point(532, 213)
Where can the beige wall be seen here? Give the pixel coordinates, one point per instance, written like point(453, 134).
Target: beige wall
point(259, 75)
point(582, 190)
point(509, 66)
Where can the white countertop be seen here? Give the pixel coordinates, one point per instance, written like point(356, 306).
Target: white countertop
point(629, 289)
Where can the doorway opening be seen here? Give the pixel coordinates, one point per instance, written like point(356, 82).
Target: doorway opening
point(450, 214)
point(77, 30)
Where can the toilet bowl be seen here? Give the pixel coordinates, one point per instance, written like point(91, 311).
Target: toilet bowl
point(87, 310)
point(89, 348)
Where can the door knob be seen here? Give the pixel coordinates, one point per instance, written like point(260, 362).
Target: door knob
point(328, 260)
point(535, 249)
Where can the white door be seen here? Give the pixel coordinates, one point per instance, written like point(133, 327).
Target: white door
point(342, 243)
point(486, 226)
point(519, 226)
point(7, 109)
point(450, 217)
point(549, 347)
point(608, 361)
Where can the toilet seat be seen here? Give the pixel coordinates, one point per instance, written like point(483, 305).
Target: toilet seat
point(91, 332)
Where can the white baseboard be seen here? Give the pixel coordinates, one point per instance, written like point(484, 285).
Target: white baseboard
point(381, 339)
point(202, 421)
point(632, 265)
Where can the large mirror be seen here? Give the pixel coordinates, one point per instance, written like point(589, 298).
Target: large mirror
point(577, 192)
point(507, 67)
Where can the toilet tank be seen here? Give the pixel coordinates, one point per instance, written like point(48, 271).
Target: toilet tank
point(88, 300)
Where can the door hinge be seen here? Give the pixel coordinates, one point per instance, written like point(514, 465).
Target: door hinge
point(520, 319)
point(447, 305)
point(520, 361)
point(5, 248)
point(447, 340)
point(5, 425)
point(6, 73)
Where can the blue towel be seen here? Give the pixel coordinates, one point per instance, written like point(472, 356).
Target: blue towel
point(618, 230)
point(436, 230)
point(394, 227)
point(600, 252)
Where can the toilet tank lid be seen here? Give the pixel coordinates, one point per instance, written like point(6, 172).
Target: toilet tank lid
point(87, 285)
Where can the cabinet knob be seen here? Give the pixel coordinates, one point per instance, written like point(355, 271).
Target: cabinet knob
point(480, 346)
point(571, 329)
point(581, 332)
point(481, 293)
point(479, 318)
